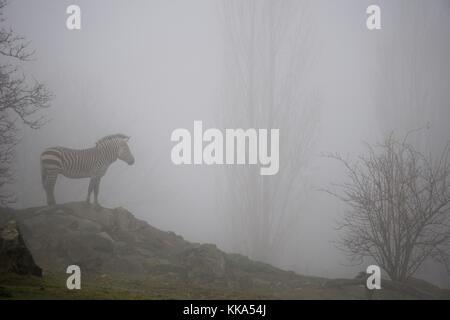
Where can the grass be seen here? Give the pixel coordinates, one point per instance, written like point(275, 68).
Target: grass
point(53, 287)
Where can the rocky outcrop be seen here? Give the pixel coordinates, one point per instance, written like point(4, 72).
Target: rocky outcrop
point(96, 239)
point(103, 240)
point(14, 254)
point(205, 263)
point(108, 241)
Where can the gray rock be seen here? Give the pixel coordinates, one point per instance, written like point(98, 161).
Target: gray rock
point(205, 263)
point(108, 241)
point(14, 254)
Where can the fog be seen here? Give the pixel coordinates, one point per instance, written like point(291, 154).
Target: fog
point(146, 68)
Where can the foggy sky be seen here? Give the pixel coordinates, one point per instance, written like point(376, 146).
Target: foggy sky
point(146, 68)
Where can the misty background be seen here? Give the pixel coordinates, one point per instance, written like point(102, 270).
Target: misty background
point(146, 68)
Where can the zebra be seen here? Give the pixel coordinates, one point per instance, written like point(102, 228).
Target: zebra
point(85, 163)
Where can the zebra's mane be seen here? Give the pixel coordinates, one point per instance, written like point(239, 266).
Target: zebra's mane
point(111, 137)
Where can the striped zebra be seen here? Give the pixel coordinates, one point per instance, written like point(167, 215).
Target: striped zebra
point(85, 163)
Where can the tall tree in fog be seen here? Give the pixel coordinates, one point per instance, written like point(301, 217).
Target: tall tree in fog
point(267, 56)
point(20, 100)
point(408, 71)
point(399, 208)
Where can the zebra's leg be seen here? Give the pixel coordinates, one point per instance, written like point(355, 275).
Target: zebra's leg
point(90, 188)
point(50, 188)
point(96, 190)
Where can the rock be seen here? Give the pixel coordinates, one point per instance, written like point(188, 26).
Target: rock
point(113, 241)
point(14, 254)
point(205, 263)
point(98, 240)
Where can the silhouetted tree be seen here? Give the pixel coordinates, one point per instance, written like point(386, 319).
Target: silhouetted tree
point(20, 100)
point(268, 54)
point(399, 202)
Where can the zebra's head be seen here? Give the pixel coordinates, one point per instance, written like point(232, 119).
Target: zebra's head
point(118, 144)
point(124, 152)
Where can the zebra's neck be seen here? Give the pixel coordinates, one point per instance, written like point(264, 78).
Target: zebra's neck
point(108, 153)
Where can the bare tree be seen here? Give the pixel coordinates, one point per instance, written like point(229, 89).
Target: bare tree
point(268, 56)
point(399, 202)
point(20, 101)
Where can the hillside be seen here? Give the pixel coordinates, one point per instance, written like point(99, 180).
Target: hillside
point(124, 257)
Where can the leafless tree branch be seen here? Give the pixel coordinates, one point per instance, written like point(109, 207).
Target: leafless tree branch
point(399, 204)
point(21, 101)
